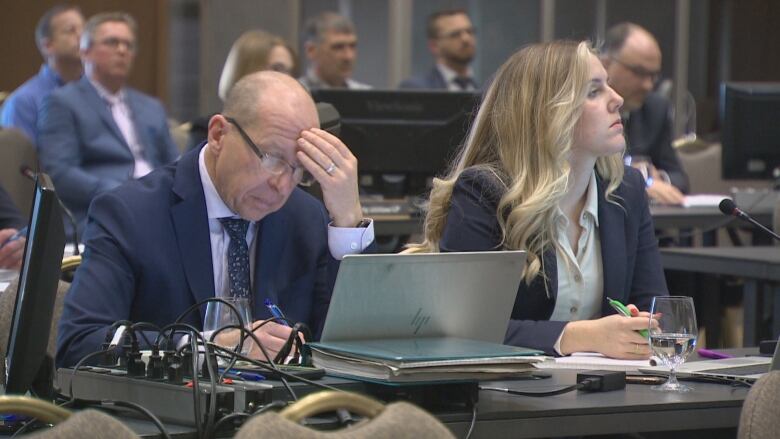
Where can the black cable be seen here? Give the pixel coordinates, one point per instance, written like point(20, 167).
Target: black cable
point(473, 418)
point(259, 411)
point(566, 389)
point(81, 363)
point(147, 325)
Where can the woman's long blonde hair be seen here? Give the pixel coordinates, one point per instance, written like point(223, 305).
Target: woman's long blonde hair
point(522, 134)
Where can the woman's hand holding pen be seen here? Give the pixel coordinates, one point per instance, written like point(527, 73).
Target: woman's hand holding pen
point(11, 251)
point(615, 336)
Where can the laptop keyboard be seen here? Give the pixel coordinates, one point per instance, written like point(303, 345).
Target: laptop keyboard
point(752, 369)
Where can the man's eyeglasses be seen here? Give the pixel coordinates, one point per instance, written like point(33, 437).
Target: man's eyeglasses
point(640, 71)
point(114, 43)
point(274, 165)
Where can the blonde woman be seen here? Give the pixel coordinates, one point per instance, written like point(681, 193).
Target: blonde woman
point(254, 51)
point(542, 171)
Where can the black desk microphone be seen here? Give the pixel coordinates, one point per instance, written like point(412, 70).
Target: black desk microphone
point(728, 207)
point(32, 175)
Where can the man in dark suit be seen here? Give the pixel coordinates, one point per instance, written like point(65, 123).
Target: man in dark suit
point(192, 230)
point(633, 61)
point(11, 220)
point(96, 133)
point(452, 42)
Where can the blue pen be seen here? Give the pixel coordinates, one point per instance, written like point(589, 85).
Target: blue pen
point(276, 312)
point(21, 233)
point(240, 374)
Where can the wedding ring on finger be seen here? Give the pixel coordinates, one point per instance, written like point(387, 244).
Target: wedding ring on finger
point(636, 348)
point(332, 167)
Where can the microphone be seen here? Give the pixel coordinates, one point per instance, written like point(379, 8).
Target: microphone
point(32, 175)
point(728, 207)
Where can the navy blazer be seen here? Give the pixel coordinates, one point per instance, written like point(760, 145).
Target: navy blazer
point(629, 252)
point(148, 258)
point(433, 80)
point(82, 148)
point(649, 134)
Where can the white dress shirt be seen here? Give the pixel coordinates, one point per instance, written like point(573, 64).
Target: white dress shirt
point(341, 240)
point(580, 275)
point(449, 76)
point(123, 118)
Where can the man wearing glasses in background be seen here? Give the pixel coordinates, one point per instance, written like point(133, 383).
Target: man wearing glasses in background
point(96, 133)
point(225, 220)
point(452, 42)
point(632, 59)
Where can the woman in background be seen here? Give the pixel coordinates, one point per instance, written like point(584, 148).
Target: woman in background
point(253, 51)
point(542, 171)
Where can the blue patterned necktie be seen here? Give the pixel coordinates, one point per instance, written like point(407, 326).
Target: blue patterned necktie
point(464, 82)
point(237, 256)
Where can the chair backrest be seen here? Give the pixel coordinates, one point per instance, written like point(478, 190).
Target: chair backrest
point(17, 150)
point(7, 301)
point(760, 416)
point(703, 166)
point(399, 419)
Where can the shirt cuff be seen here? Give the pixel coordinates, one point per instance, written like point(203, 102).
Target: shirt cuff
point(344, 241)
point(557, 345)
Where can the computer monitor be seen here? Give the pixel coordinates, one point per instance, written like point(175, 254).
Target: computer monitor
point(402, 131)
point(26, 365)
point(750, 132)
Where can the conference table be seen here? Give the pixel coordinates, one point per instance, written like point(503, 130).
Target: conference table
point(703, 219)
point(759, 267)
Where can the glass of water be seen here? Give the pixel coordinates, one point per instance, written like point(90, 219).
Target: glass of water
point(220, 315)
point(673, 338)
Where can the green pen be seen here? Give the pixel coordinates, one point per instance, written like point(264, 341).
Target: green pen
point(623, 310)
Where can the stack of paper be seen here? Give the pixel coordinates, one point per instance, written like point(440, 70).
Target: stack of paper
point(423, 360)
point(592, 360)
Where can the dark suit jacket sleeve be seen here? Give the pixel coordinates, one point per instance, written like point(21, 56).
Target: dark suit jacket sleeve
point(667, 159)
point(10, 217)
point(472, 225)
point(103, 290)
point(60, 154)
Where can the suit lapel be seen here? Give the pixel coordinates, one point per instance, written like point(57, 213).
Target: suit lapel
point(97, 103)
point(271, 240)
point(190, 224)
point(612, 224)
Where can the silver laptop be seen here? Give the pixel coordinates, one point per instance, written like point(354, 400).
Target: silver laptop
point(745, 369)
point(465, 295)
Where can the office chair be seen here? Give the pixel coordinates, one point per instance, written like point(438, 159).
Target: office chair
point(86, 424)
point(760, 416)
point(399, 419)
point(16, 151)
point(7, 301)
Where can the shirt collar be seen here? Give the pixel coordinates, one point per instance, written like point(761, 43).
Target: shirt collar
point(51, 74)
point(317, 82)
point(215, 207)
point(592, 201)
point(450, 74)
point(591, 207)
point(106, 95)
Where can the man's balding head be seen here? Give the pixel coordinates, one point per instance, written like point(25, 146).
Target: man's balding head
point(252, 145)
point(632, 58)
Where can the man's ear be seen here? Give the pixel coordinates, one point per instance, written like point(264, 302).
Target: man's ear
point(217, 131)
point(310, 49)
point(433, 46)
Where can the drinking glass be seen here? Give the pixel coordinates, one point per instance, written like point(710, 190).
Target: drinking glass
point(674, 336)
point(219, 315)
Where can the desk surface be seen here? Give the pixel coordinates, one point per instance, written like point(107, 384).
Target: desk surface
point(752, 262)
point(637, 409)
